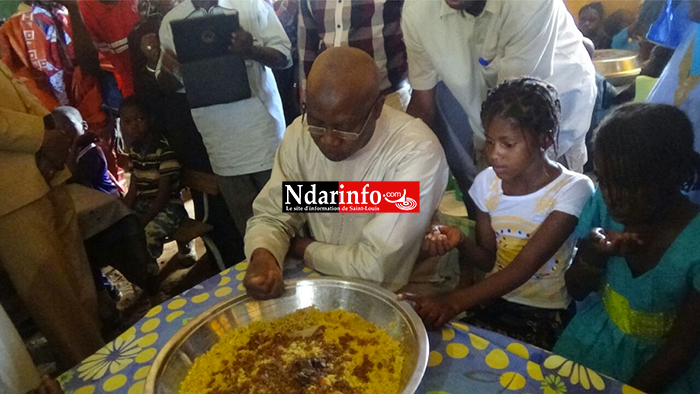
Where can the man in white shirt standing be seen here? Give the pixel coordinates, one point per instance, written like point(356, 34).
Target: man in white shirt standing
point(241, 137)
point(473, 45)
point(343, 94)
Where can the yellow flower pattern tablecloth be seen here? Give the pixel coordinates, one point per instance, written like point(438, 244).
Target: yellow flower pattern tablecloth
point(462, 359)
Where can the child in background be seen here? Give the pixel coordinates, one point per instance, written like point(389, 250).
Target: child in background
point(591, 20)
point(528, 207)
point(154, 189)
point(86, 161)
point(639, 264)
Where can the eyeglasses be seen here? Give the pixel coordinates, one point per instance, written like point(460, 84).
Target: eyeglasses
point(343, 135)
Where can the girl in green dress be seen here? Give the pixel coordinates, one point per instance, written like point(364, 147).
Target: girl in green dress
point(638, 267)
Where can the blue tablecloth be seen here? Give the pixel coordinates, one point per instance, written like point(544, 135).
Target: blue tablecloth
point(463, 359)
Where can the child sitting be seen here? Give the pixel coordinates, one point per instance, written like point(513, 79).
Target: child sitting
point(528, 207)
point(154, 189)
point(639, 261)
point(123, 244)
point(86, 161)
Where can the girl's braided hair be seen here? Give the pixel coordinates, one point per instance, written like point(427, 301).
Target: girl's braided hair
point(648, 145)
point(531, 104)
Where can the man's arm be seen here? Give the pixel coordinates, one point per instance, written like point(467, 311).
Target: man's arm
point(421, 71)
point(243, 43)
point(270, 228)
point(168, 68)
point(20, 132)
point(269, 231)
point(530, 42)
point(274, 48)
point(27, 133)
point(422, 106)
point(89, 21)
point(390, 242)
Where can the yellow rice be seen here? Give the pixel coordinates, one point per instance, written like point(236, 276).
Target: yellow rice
point(348, 354)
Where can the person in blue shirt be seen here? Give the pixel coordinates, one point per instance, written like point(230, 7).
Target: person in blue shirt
point(86, 161)
point(638, 268)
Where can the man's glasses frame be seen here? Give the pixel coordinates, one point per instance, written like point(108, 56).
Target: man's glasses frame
point(319, 131)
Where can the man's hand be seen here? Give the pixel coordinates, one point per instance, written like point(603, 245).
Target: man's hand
point(263, 280)
point(434, 311)
point(170, 63)
point(241, 43)
point(53, 153)
point(56, 146)
point(298, 245)
point(441, 239)
point(46, 168)
point(613, 243)
point(150, 47)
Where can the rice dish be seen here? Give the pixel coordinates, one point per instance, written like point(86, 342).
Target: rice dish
point(308, 351)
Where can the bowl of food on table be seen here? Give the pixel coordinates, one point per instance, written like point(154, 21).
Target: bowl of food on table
point(323, 335)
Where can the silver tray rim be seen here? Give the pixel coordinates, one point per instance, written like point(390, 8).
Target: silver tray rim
point(415, 323)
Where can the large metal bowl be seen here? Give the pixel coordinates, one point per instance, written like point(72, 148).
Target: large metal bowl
point(619, 67)
point(373, 303)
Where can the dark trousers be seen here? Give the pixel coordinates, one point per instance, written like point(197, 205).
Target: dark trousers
point(536, 326)
point(240, 192)
point(457, 139)
point(123, 246)
point(288, 86)
point(183, 136)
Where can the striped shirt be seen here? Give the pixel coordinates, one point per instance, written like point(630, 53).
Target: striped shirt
point(372, 26)
point(149, 165)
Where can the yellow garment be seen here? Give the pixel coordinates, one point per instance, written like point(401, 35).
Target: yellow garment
point(645, 325)
point(41, 249)
point(40, 245)
point(21, 135)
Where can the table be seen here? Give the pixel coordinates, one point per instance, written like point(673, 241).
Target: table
point(463, 359)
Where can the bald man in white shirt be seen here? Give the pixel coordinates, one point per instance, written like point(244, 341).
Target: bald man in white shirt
point(343, 94)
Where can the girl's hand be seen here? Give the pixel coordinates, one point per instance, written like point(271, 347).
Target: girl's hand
point(441, 239)
point(434, 311)
point(615, 243)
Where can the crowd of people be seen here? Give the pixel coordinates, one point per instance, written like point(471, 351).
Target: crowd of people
point(601, 268)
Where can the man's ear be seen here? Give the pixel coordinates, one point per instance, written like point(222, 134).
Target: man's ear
point(85, 126)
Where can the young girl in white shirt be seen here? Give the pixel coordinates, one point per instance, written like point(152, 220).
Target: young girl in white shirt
point(528, 208)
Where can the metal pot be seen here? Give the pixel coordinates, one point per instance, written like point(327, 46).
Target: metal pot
point(372, 302)
point(619, 67)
